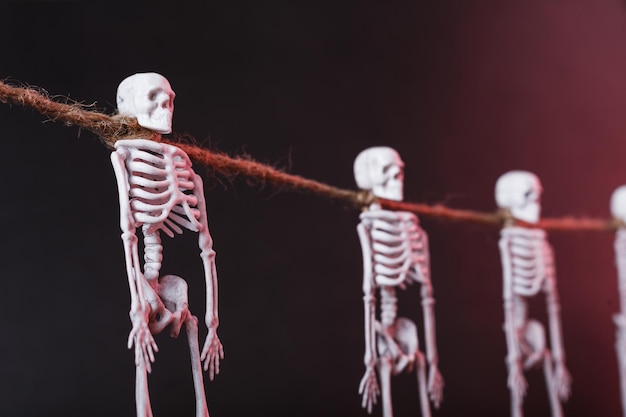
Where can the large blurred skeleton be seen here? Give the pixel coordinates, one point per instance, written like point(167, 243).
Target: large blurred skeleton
point(618, 209)
point(528, 268)
point(160, 192)
point(395, 254)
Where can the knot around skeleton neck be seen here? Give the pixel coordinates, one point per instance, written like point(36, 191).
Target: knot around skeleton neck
point(118, 127)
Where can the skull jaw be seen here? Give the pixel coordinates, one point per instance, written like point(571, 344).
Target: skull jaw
point(528, 213)
point(389, 191)
point(160, 122)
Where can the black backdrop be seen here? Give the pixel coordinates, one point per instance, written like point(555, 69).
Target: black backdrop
point(463, 90)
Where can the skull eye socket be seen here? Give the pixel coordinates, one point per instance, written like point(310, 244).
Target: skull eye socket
point(531, 195)
point(152, 95)
point(398, 175)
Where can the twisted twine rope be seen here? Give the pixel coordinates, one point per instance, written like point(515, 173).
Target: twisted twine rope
point(113, 128)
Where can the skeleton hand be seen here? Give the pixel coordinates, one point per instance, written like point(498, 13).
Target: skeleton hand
point(517, 382)
point(140, 336)
point(368, 388)
point(212, 352)
point(562, 381)
point(435, 385)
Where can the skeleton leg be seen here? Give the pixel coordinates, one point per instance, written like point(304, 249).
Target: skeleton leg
point(548, 369)
point(384, 373)
point(142, 396)
point(516, 406)
point(620, 347)
point(517, 400)
point(534, 349)
point(173, 291)
point(421, 383)
point(191, 327)
point(407, 340)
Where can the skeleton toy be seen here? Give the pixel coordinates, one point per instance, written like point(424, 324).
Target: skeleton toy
point(159, 192)
point(395, 254)
point(618, 209)
point(528, 268)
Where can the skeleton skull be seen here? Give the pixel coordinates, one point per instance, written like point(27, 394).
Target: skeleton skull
point(520, 193)
point(148, 97)
point(618, 203)
point(380, 170)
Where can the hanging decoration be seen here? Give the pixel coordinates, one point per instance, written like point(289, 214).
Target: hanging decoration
point(160, 192)
point(618, 210)
point(395, 255)
point(113, 128)
point(528, 269)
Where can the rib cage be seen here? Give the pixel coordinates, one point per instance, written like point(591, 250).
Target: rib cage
point(531, 259)
point(400, 250)
point(161, 186)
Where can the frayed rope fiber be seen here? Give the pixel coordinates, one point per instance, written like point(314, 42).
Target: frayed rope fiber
point(113, 128)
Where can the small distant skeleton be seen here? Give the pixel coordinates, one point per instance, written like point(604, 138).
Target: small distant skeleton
point(618, 209)
point(528, 268)
point(160, 192)
point(395, 254)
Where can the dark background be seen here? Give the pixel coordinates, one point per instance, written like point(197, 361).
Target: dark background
point(464, 90)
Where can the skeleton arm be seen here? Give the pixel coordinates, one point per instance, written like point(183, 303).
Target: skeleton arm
point(620, 260)
point(212, 351)
point(435, 380)
point(562, 379)
point(140, 335)
point(368, 387)
point(516, 381)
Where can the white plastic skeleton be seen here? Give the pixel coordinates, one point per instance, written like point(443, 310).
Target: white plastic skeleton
point(528, 268)
point(159, 192)
point(395, 254)
point(618, 209)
